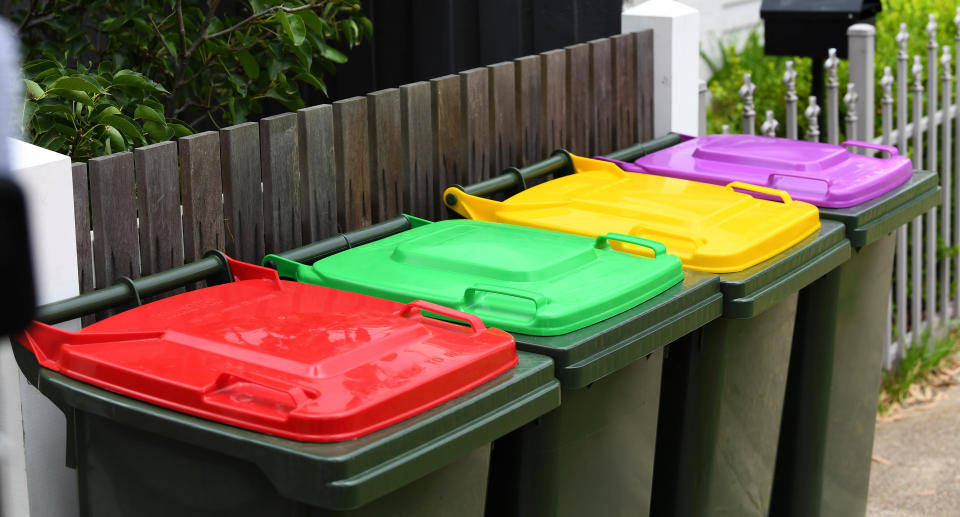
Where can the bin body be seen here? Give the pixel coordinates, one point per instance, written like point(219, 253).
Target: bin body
point(159, 476)
point(595, 452)
point(829, 415)
point(263, 397)
point(591, 456)
point(764, 252)
point(723, 388)
point(835, 372)
point(134, 458)
point(721, 403)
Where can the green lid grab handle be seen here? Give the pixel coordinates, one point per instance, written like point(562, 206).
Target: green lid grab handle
point(473, 297)
point(657, 247)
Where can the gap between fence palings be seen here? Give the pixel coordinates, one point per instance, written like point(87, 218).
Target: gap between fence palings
point(922, 292)
point(294, 178)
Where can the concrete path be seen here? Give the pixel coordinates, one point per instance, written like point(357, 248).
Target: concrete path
point(916, 467)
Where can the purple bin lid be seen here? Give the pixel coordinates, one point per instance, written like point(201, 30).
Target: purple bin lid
point(826, 175)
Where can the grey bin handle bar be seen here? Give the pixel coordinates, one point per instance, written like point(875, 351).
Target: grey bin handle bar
point(213, 268)
point(344, 241)
point(514, 179)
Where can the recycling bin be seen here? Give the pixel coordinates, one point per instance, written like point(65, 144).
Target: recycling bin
point(723, 385)
point(823, 466)
point(265, 397)
point(602, 315)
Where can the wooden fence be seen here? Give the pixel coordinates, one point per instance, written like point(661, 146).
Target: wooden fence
point(293, 178)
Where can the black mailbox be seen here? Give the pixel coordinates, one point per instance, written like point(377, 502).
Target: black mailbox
point(811, 27)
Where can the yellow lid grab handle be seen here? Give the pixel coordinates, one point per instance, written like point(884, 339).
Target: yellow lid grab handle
point(763, 190)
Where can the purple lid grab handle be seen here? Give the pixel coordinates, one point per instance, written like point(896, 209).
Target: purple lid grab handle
point(825, 181)
point(891, 150)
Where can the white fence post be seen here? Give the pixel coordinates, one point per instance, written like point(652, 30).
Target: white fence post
point(862, 39)
point(851, 100)
point(790, 81)
point(956, 163)
point(35, 480)
point(930, 242)
point(704, 93)
point(812, 114)
point(945, 184)
point(833, 96)
point(770, 125)
point(916, 228)
point(676, 61)
point(749, 113)
point(901, 264)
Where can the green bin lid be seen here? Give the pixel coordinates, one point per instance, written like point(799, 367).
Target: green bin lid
point(516, 278)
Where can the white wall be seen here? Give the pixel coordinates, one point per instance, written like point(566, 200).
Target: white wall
point(720, 20)
point(34, 479)
point(675, 54)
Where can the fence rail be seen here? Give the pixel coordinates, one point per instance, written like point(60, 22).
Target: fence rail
point(926, 294)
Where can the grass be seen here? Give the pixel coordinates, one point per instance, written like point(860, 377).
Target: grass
point(923, 365)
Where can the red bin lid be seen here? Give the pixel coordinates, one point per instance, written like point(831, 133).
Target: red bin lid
point(293, 360)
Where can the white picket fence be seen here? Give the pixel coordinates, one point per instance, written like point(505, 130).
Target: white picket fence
point(931, 304)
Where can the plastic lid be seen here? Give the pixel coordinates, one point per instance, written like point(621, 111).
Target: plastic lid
point(711, 228)
point(519, 279)
point(293, 360)
point(825, 175)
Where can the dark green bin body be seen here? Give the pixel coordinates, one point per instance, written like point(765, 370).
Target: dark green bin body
point(823, 467)
point(134, 458)
point(594, 454)
point(721, 398)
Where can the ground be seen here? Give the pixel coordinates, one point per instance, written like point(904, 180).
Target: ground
point(916, 454)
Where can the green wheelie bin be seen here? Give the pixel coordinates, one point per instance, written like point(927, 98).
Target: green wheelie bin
point(723, 385)
point(603, 316)
point(824, 458)
point(258, 397)
point(722, 395)
point(836, 369)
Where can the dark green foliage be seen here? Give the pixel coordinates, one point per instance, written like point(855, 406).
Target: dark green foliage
point(159, 61)
point(87, 113)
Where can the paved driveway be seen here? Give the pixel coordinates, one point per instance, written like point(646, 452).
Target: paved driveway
point(916, 468)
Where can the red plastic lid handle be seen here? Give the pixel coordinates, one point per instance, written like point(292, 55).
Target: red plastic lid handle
point(476, 324)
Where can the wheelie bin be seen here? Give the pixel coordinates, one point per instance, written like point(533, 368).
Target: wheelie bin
point(823, 464)
point(723, 385)
point(604, 317)
point(265, 397)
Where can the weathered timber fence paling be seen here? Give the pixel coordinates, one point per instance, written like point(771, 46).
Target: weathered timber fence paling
point(293, 178)
point(927, 296)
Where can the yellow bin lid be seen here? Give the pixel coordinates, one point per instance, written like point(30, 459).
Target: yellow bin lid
point(711, 228)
